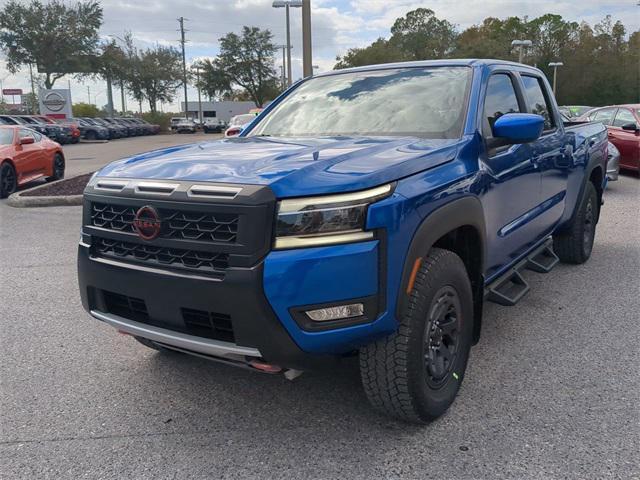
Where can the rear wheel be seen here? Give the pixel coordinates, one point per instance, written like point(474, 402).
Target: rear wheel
point(414, 374)
point(575, 244)
point(58, 168)
point(8, 180)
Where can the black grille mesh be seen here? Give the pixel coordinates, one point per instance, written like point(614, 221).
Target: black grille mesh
point(208, 262)
point(178, 224)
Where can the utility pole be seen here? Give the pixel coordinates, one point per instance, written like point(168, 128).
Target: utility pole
point(184, 67)
point(89, 94)
point(307, 63)
point(33, 91)
point(109, 96)
point(521, 44)
point(124, 105)
point(199, 97)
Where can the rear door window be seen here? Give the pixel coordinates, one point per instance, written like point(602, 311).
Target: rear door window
point(537, 100)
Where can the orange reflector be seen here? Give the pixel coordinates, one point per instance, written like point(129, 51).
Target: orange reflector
point(414, 272)
point(265, 367)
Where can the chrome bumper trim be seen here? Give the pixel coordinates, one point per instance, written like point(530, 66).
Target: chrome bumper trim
point(180, 340)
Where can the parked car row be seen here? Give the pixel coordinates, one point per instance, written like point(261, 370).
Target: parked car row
point(107, 128)
point(58, 132)
point(189, 125)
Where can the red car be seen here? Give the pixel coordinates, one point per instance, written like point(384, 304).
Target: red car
point(27, 155)
point(623, 126)
point(75, 131)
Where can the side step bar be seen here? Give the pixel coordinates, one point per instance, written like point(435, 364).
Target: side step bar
point(511, 287)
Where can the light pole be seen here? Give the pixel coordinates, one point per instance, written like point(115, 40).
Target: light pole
point(522, 44)
point(122, 101)
point(286, 4)
point(555, 66)
point(284, 65)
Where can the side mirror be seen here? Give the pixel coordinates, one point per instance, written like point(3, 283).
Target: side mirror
point(633, 127)
point(27, 140)
point(514, 128)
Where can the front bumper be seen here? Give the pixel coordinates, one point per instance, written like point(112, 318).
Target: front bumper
point(263, 325)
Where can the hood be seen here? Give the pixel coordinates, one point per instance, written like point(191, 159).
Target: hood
point(291, 167)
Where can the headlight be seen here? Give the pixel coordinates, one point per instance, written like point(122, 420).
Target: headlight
point(325, 220)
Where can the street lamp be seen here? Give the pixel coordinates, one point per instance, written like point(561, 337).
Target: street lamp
point(522, 44)
point(555, 66)
point(286, 4)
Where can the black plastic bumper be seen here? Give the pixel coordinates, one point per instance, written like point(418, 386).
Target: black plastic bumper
point(239, 294)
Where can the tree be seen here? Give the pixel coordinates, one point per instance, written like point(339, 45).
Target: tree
point(82, 109)
point(214, 82)
point(380, 51)
point(57, 38)
point(420, 35)
point(159, 72)
point(248, 61)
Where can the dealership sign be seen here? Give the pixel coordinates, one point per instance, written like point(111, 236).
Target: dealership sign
point(12, 91)
point(55, 103)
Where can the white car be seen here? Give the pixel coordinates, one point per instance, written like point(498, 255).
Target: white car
point(173, 123)
point(239, 123)
point(186, 126)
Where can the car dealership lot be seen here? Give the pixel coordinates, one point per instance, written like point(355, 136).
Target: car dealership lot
point(87, 157)
point(552, 389)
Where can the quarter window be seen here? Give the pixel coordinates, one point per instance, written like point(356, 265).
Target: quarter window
point(500, 99)
point(538, 102)
point(603, 116)
point(624, 117)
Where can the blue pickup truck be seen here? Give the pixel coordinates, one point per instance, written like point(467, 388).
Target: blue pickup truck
point(369, 211)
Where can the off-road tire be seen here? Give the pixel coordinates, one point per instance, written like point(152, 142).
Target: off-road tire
point(575, 243)
point(394, 370)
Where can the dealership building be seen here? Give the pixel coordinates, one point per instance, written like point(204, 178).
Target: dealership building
point(220, 110)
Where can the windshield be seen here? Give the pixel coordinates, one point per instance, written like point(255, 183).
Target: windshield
point(425, 102)
point(6, 136)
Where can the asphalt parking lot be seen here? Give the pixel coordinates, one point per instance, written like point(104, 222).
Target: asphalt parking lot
point(552, 390)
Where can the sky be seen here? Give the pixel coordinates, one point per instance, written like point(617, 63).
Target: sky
point(337, 25)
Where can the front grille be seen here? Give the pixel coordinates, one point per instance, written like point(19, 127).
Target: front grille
point(208, 324)
point(126, 307)
point(194, 260)
point(200, 323)
point(177, 224)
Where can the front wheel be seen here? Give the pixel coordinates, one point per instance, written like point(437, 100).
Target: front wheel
point(415, 374)
point(574, 245)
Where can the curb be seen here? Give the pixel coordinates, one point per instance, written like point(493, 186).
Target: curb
point(16, 200)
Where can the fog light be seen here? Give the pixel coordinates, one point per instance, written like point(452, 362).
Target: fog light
point(336, 313)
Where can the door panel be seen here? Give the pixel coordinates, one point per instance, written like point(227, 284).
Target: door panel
point(550, 154)
point(514, 190)
point(626, 141)
point(27, 158)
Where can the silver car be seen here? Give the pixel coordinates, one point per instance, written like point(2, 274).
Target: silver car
point(613, 163)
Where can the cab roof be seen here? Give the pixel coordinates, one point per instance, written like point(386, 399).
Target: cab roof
point(461, 62)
